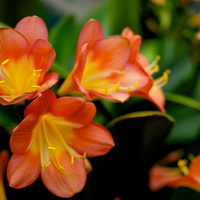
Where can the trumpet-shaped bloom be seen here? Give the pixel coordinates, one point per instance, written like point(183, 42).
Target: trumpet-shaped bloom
point(4, 157)
point(25, 58)
point(152, 89)
point(100, 63)
point(54, 139)
point(161, 176)
point(191, 177)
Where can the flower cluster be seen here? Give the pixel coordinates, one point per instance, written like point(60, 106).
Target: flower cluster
point(58, 134)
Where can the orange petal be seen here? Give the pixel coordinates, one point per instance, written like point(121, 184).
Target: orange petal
point(41, 104)
point(194, 169)
point(43, 55)
point(48, 81)
point(12, 44)
point(90, 33)
point(135, 41)
point(93, 139)
point(22, 134)
point(111, 53)
point(73, 109)
point(23, 170)
point(4, 157)
point(72, 82)
point(184, 181)
point(32, 28)
point(61, 184)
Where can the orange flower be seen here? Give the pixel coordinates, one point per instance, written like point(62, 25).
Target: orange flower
point(99, 70)
point(25, 58)
point(161, 176)
point(150, 89)
point(191, 177)
point(54, 139)
point(4, 157)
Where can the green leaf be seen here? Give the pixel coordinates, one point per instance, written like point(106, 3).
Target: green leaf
point(139, 142)
point(64, 37)
point(9, 117)
point(140, 114)
point(183, 100)
point(124, 13)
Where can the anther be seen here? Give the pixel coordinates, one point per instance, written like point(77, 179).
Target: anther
point(128, 89)
point(158, 57)
point(5, 61)
point(1, 82)
point(182, 164)
point(116, 87)
point(72, 159)
point(136, 84)
point(61, 168)
point(35, 86)
point(45, 165)
point(51, 148)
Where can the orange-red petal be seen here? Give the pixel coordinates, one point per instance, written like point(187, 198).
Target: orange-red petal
point(61, 184)
point(93, 139)
point(73, 109)
point(23, 170)
point(90, 33)
point(43, 55)
point(111, 53)
point(135, 41)
point(22, 134)
point(12, 44)
point(32, 28)
point(41, 104)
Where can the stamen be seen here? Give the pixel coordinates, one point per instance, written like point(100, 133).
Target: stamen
point(161, 81)
point(154, 67)
point(182, 164)
point(45, 165)
point(116, 87)
point(5, 61)
point(35, 86)
point(136, 84)
point(128, 89)
point(1, 82)
point(191, 157)
point(51, 148)
point(62, 168)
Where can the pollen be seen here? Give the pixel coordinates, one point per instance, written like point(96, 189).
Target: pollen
point(182, 164)
point(154, 67)
point(136, 84)
point(5, 62)
point(51, 148)
point(45, 165)
point(35, 86)
point(1, 82)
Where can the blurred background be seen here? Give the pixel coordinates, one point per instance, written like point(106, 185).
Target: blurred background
point(169, 28)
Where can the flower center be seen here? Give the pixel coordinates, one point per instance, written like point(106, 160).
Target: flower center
point(52, 142)
point(182, 164)
point(18, 77)
point(107, 82)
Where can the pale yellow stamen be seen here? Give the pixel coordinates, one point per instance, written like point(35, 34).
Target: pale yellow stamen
point(161, 81)
point(5, 61)
point(136, 84)
point(182, 164)
point(51, 148)
point(45, 165)
point(154, 67)
point(1, 82)
point(35, 86)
